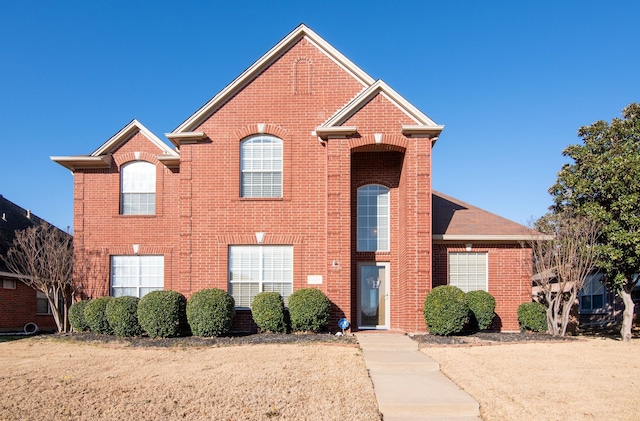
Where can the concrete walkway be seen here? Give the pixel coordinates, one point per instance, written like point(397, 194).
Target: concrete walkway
point(409, 385)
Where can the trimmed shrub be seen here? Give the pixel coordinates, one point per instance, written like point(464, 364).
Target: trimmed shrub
point(532, 316)
point(94, 314)
point(210, 312)
point(445, 310)
point(162, 314)
point(309, 309)
point(267, 311)
point(76, 316)
point(482, 306)
point(122, 315)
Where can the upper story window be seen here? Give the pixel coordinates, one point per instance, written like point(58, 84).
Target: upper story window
point(373, 218)
point(468, 271)
point(261, 167)
point(138, 189)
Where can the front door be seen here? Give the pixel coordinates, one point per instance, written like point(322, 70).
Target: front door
point(373, 295)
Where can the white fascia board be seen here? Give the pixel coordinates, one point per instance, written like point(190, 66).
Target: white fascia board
point(512, 237)
point(124, 134)
point(186, 137)
point(265, 61)
point(337, 131)
point(75, 162)
point(422, 131)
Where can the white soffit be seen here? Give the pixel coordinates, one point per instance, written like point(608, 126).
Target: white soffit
point(126, 132)
point(265, 61)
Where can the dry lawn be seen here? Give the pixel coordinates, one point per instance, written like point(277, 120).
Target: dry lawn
point(46, 379)
point(590, 379)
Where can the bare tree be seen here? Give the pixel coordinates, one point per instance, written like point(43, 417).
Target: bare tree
point(42, 258)
point(562, 262)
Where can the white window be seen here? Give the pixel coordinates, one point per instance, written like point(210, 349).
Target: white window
point(9, 283)
point(373, 218)
point(138, 185)
point(261, 167)
point(42, 303)
point(593, 295)
point(254, 269)
point(136, 275)
point(468, 271)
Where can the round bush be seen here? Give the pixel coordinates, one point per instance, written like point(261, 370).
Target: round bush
point(210, 312)
point(268, 312)
point(532, 316)
point(482, 306)
point(76, 316)
point(94, 314)
point(122, 315)
point(445, 310)
point(162, 314)
point(309, 309)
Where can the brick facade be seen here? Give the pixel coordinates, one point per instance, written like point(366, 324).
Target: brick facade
point(18, 307)
point(199, 211)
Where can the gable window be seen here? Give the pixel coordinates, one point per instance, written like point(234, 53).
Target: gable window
point(42, 303)
point(593, 294)
point(468, 271)
point(261, 167)
point(138, 189)
point(136, 275)
point(255, 269)
point(373, 218)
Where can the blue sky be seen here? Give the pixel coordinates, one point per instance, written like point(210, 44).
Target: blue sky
point(512, 81)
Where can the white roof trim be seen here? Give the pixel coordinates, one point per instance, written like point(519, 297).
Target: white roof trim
point(511, 237)
point(185, 137)
point(265, 61)
point(124, 134)
point(368, 94)
point(335, 132)
point(82, 161)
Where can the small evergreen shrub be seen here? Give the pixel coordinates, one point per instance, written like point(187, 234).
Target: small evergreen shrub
point(268, 312)
point(76, 316)
point(210, 312)
point(162, 314)
point(532, 316)
point(445, 310)
point(309, 309)
point(94, 314)
point(482, 306)
point(122, 315)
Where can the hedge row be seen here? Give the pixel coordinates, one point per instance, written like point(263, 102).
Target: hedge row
point(447, 310)
point(209, 312)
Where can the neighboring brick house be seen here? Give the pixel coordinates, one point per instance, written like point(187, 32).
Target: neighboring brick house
point(19, 304)
point(303, 172)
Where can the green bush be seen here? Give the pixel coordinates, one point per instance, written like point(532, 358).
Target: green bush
point(482, 306)
point(94, 314)
point(532, 316)
point(268, 312)
point(122, 315)
point(162, 314)
point(210, 312)
point(76, 316)
point(309, 309)
point(445, 310)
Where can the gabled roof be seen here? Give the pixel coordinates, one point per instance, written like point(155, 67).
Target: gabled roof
point(101, 157)
point(12, 218)
point(456, 220)
point(260, 65)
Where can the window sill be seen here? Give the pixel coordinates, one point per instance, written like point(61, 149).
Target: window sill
point(261, 199)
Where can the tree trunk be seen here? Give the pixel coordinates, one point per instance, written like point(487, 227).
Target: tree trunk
point(627, 315)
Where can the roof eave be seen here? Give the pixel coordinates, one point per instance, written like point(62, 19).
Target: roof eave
point(337, 132)
point(83, 162)
point(491, 238)
point(186, 137)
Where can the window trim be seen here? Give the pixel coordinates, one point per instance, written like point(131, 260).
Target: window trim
point(605, 295)
point(246, 141)
point(152, 171)
point(475, 273)
point(40, 296)
point(386, 247)
point(138, 277)
point(9, 284)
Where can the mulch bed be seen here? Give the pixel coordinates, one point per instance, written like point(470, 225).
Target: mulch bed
point(487, 338)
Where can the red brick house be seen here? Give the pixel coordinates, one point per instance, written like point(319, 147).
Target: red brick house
point(303, 172)
point(20, 305)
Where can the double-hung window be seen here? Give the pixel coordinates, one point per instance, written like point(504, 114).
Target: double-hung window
point(42, 303)
point(592, 295)
point(138, 189)
point(255, 269)
point(468, 271)
point(373, 218)
point(261, 167)
point(136, 275)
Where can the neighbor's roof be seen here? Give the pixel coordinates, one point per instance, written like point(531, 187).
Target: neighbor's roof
point(12, 218)
point(454, 219)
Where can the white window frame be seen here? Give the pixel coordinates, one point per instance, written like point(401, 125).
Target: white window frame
point(589, 290)
point(255, 268)
point(261, 164)
point(469, 271)
point(137, 275)
point(373, 218)
point(138, 188)
point(41, 297)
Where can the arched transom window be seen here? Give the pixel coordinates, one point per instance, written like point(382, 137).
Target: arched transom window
point(138, 189)
point(373, 218)
point(261, 167)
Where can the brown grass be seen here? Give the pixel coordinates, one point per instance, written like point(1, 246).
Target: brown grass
point(47, 379)
point(589, 379)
